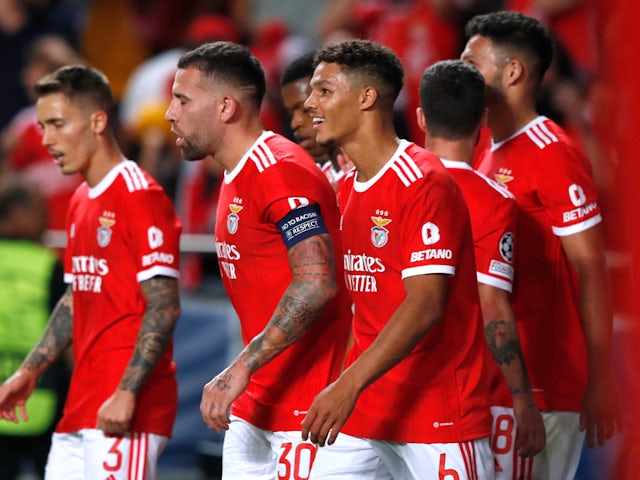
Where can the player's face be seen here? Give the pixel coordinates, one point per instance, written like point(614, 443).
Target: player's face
point(192, 114)
point(333, 104)
point(480, 51)
point(67, 131)
point(294, 95)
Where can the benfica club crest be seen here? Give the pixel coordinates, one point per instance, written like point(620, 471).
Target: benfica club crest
point(107, 220)
point(379, 234)
point(233, 218)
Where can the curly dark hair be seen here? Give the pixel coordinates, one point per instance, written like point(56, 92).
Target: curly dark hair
point(518, 33)
point(367, 61)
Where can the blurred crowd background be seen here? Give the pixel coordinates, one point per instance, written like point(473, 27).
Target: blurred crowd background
point(592, 90)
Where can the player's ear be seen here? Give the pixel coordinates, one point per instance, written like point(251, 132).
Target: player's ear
point(99, 121)
point(513, 72)
point(368, 97)
point(227, 107)
point(422, 122)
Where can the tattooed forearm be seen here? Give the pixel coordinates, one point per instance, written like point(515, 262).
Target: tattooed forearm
point(156, 330)
point(313, 267)
point(502, 338)
point(56, 338)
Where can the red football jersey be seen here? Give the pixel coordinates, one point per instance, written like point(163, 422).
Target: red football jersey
point(493, 213)
point(121, 232)
point(274, 177)
point(411, 219)
point(550, 178)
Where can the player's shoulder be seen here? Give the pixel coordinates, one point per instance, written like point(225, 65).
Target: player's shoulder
point(474, 183)
point(414, 165)
point(273, 151)
point(542, 136)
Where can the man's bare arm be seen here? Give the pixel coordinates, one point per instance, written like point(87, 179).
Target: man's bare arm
point(158, 323)
point(600, 415)
point(501, 334)
point(313, 285)
point(56, 338)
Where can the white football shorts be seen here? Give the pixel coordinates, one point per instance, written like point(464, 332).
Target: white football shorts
point(559, 459)
point(89, 453)
point(252, 453)
point(354, 458)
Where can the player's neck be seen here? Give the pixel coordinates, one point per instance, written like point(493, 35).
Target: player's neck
point(370, 153)
point(102, 162)
point(505, 120)
point(454, 150)
point(236, 144)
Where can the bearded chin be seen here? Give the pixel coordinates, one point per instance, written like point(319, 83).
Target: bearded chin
point(190, 152)
point(326, 143)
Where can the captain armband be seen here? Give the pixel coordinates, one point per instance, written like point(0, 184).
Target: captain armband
point(300, 224)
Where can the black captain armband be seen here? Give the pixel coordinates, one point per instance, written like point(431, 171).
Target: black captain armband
point(300, 224)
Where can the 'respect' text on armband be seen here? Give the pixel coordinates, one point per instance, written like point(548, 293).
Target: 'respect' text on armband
point(301, 223)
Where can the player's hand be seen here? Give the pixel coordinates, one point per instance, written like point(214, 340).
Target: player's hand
point(116, 413)
point(600, 417)
point(219, 394)
point(328, 413)
point(531, 437)
point(14, 393)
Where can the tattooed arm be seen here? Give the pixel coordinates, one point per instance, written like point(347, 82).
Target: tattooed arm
point(501, 334)
point(15, 391)
point(314, 284)
point(159, 321)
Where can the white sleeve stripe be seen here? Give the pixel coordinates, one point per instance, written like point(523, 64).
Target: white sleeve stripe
point(157, 270)
point(401, 176)
point(411, 164)
point(405, 170)
point(578, 227)
point(541, 135)
point(264, 161)
point(427, 270)
point(68, 278)
point(267, 151)
point(494, 282)
point(143, 180)
point(127, 179)
point(257, 162)
point(548, 132)
point(134, 178)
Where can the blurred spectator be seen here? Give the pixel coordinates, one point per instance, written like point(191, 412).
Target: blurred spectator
point(161, 24)
point(21, 21)
point(30, 285)
point(21, 141)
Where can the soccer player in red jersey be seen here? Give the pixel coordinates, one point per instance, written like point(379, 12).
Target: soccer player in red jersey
point(452, 114)
point(122, 303)
point(561, 298)
point(277, 241)
point(412, 402)
point(295, 89)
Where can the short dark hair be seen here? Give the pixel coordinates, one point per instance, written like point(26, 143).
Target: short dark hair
point(79, 83)
point(229, 63)
point(369, 60)
point(452, 98)
point(299, 68)
point(513, 30)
